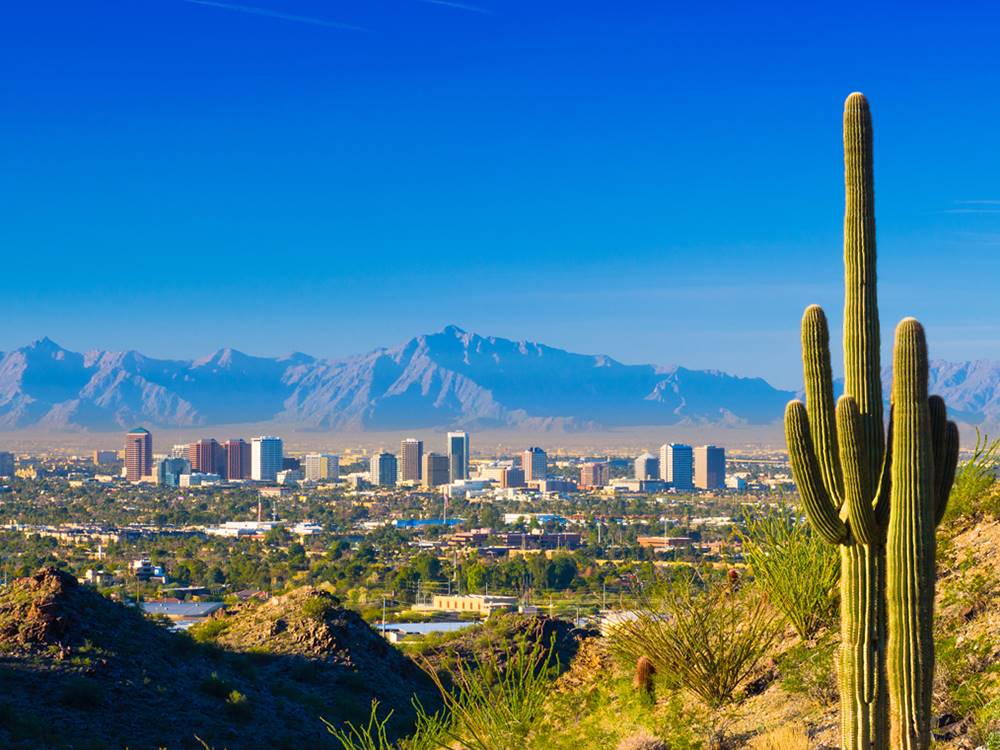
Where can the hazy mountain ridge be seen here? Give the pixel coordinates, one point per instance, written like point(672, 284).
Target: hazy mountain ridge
point(449, 378)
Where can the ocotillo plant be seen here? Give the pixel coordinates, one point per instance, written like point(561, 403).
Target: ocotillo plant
point(925, 453)
point(838, 455)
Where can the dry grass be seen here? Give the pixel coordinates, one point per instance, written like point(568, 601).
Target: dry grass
point(789, 737)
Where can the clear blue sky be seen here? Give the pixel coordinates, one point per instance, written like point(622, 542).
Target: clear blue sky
point(658, 181)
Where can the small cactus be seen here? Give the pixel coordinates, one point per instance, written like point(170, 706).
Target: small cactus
point(644, 672)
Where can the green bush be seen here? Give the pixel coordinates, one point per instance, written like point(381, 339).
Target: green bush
point(238, 705)
point(795, 568)
point(210, 630)
point(975, 492)
point(317, 607)
point(705, 635)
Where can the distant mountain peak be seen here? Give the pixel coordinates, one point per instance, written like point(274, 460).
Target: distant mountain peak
point(452, 378)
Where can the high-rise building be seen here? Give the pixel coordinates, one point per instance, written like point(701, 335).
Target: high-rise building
point(383, 470)
point(322, 467)
point(266, 458)
point(647, 466)
point(6, 464)
point(436, 470)
point(709, 467)
point(207, 457)
point(511, 477)
point(411, 454)
point(104, 458)
point(595, 474)
point(138, 454)
point(239, 459)
point(677, 465)
point(458, 456)
point(535, 464)
point(170, 470)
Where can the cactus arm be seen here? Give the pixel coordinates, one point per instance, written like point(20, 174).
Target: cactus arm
point(852, 460)
point(808, 476)
point(910, 548)
point(945, 477)
point(862, 368)
point(819, 399)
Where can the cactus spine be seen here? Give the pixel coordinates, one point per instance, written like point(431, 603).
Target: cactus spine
point(879, 498)
point(838, 453)
point(925, 450)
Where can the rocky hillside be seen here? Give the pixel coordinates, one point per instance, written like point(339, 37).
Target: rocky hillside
point(80, 671)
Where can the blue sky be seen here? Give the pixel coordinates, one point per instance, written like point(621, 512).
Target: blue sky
point(657, 182)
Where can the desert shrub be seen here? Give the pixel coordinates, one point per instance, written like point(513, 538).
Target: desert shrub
point(706, 635)
point(428, 734)
point(974, 492)
point(238, 705)
point(215, 686)
point(796, 569)
point(495, 700)
point(317, 607)
point(210, 630)
point(808, 669)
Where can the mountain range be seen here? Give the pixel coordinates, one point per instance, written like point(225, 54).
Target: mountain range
point(451, 378)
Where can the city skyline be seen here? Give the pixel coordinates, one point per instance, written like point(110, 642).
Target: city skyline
point(561, 148)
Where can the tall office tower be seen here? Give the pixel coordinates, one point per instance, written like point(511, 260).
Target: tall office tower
point(6, 464)
point(207, 457)
point(436, 470)
point(180, 450)
point(169, 471)
point(411, 454)
point(322, 467)
point(138, 454)
point(677, 465)
point(266, 458)
point(535, 464)
point(238, 459)
point(709, 467)
point(595, 474)
point(458, 456)
point(383, 470)
point(103, 458)
point(647, 466)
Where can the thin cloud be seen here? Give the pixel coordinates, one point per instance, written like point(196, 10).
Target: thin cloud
point(276, 14)
point(460, 6)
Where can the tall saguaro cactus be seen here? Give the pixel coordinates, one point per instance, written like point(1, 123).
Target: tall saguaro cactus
point(879, 498)
point(838, 455)
point(925, 451)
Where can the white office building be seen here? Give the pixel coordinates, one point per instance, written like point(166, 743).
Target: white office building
point(677, 465)
point(267, 454)
point(647, 466)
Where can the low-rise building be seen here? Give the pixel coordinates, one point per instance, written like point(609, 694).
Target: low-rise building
point(473, 603)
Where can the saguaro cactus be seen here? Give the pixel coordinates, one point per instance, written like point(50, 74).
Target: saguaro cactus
point(857, 485)
point(925, 453)
point(838, 455)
